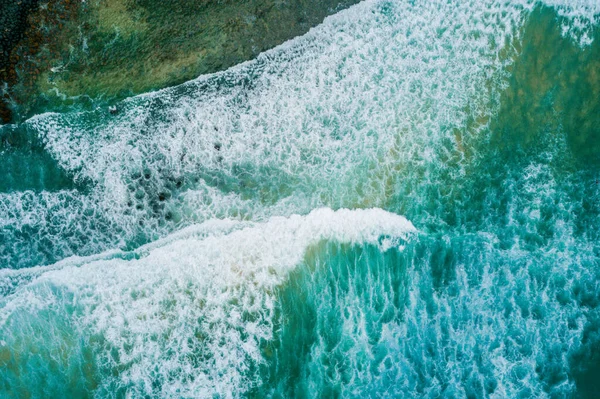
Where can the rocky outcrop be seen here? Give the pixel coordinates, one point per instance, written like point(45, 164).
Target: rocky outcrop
point(68, 53)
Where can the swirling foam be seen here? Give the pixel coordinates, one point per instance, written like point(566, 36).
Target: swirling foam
point(191, 312)
point(326, 119)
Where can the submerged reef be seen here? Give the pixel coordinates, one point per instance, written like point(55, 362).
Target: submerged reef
point(64, 53)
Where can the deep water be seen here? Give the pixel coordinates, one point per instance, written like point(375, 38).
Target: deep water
point(402, 203)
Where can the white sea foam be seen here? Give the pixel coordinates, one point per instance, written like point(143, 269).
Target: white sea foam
point(581, 17)
point(197, 294)
point(326, 119)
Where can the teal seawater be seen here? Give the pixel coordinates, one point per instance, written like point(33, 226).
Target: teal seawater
point(159, 253)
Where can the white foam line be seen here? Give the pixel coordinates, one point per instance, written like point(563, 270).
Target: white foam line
point(288, 236)
point(193, 280)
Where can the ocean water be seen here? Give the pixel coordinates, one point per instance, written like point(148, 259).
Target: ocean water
point(402, 203)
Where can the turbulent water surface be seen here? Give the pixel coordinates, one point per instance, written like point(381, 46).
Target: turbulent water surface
point(402, 203)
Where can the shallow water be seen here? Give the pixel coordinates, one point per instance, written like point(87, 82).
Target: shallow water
point(161, 253)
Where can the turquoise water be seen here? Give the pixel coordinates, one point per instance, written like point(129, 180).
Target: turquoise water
point(402, 203)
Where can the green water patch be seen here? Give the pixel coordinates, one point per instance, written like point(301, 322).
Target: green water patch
point(33, 32)
point(554, 89)
point(535, 161)
point(26, 165)
point(544, 142)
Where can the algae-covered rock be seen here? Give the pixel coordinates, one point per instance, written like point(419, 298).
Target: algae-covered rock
point(82, 54)
point(13, 24)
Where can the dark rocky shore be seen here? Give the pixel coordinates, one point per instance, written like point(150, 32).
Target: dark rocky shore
point(68, 54)
point(31, 32)
point(13, 24)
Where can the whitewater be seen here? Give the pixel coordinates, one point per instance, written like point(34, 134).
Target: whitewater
point(401, 203)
